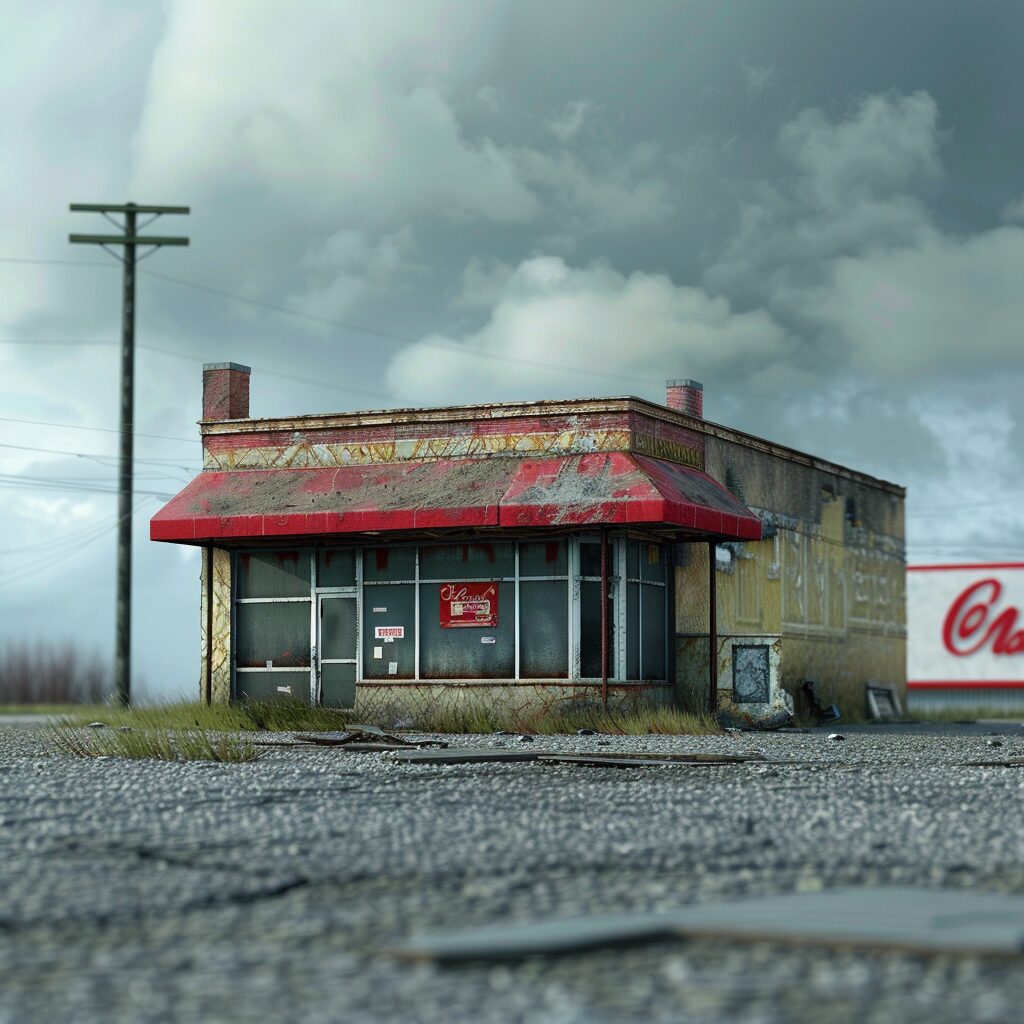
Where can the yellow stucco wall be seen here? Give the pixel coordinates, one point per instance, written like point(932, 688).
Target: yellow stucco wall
point(215, 608)
point(832, 589)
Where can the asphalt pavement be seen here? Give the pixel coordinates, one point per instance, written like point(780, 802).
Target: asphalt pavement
point(143, 891)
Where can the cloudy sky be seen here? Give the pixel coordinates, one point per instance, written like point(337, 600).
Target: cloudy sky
point(814, 207)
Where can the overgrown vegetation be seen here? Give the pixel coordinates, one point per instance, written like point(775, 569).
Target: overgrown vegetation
point(153, 744)
point(455, 717)
point(38, 673)
point(272, 716)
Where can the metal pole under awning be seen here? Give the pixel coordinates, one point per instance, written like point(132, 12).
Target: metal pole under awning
point(712, 630)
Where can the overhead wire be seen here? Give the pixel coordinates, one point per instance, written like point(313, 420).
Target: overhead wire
point(178, 463)
point(23, 573)
point(395, 336)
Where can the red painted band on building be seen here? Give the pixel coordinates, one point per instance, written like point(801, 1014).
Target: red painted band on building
point(965, 684)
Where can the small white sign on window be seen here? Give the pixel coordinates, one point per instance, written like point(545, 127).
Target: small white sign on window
point(284, 689)
point(378, 652)
point(392, 668)
point(488, 639)
point(270, 662)
point(388, 632)
point(376, 610)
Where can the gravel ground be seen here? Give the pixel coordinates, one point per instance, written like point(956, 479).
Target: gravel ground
point(186, 892)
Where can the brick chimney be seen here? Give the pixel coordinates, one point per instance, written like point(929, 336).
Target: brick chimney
point(225, 391)
point(685, 396)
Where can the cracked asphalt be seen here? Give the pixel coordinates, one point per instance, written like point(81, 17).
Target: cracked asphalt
point(136, 891)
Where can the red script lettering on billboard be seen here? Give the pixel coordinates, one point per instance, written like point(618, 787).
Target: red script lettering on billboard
point(970, 627)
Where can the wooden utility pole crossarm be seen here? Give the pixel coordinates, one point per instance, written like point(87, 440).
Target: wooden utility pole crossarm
point(130, 240)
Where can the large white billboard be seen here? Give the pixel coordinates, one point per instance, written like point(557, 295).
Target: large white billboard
point(965, 633)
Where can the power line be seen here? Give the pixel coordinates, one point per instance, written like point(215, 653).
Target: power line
point(404, 338)
point(93, 455)
point(105, 430)
point(24, 573)
point(53, 484)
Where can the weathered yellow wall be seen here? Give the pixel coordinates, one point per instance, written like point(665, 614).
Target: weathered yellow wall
point(216, 646)
point(830, 582)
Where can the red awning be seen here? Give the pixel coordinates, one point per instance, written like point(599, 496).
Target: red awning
point(616, 488)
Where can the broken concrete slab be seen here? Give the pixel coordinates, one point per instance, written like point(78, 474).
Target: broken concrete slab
point(958, 921)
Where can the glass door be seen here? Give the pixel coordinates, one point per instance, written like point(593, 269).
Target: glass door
point(337, 650)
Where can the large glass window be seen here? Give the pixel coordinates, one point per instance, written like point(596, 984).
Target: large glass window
point(389, 631)
point(273, 574)
point(647, 582)
point(273, 619)
point(336, 567)
point(466, 651)
point(467, 562)
point(529, 609)
point(544, 629)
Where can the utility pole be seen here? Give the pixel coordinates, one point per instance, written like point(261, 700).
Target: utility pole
point(130, 241)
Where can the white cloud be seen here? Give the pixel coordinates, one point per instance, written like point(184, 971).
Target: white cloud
point(348, 266)
point(849, 255)
point(483, 282)
point(757, 78)
point(1014, 211)
point(855, 189)
point(945, 304)
point(596, 322)
point(885, 145)
point(570, 120)
point(626, 192)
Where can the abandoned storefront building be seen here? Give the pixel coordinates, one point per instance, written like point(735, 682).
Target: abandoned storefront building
point(585, 549)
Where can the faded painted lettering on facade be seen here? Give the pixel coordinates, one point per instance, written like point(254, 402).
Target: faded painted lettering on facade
point(670, 451)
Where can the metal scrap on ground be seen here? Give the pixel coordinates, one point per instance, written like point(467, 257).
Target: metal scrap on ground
point(365, 739)
point(885, 917)
point(1006, 762)
point(627, 761)
point(463, 755)
point(581, 758)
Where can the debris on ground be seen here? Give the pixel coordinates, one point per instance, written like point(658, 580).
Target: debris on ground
point(364, 739)
point(627, 761)
point(819, 712)
point(463, 755)
point(580, 758)
point(525, 739)
point(755, 718)
point(1008, 762)
point(925, 920)
point(883, 703)
point(97, 725)
point(836, 737)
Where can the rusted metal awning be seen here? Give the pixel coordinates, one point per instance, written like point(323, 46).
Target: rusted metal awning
point(615, 488)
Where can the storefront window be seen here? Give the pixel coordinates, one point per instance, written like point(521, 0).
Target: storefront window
point(449, 611)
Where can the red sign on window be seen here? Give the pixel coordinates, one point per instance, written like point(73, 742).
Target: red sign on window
point(469, 604)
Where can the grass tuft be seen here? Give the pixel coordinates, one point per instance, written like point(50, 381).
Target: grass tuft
point(152, 744)
point(469, 716)
point(272, 716)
